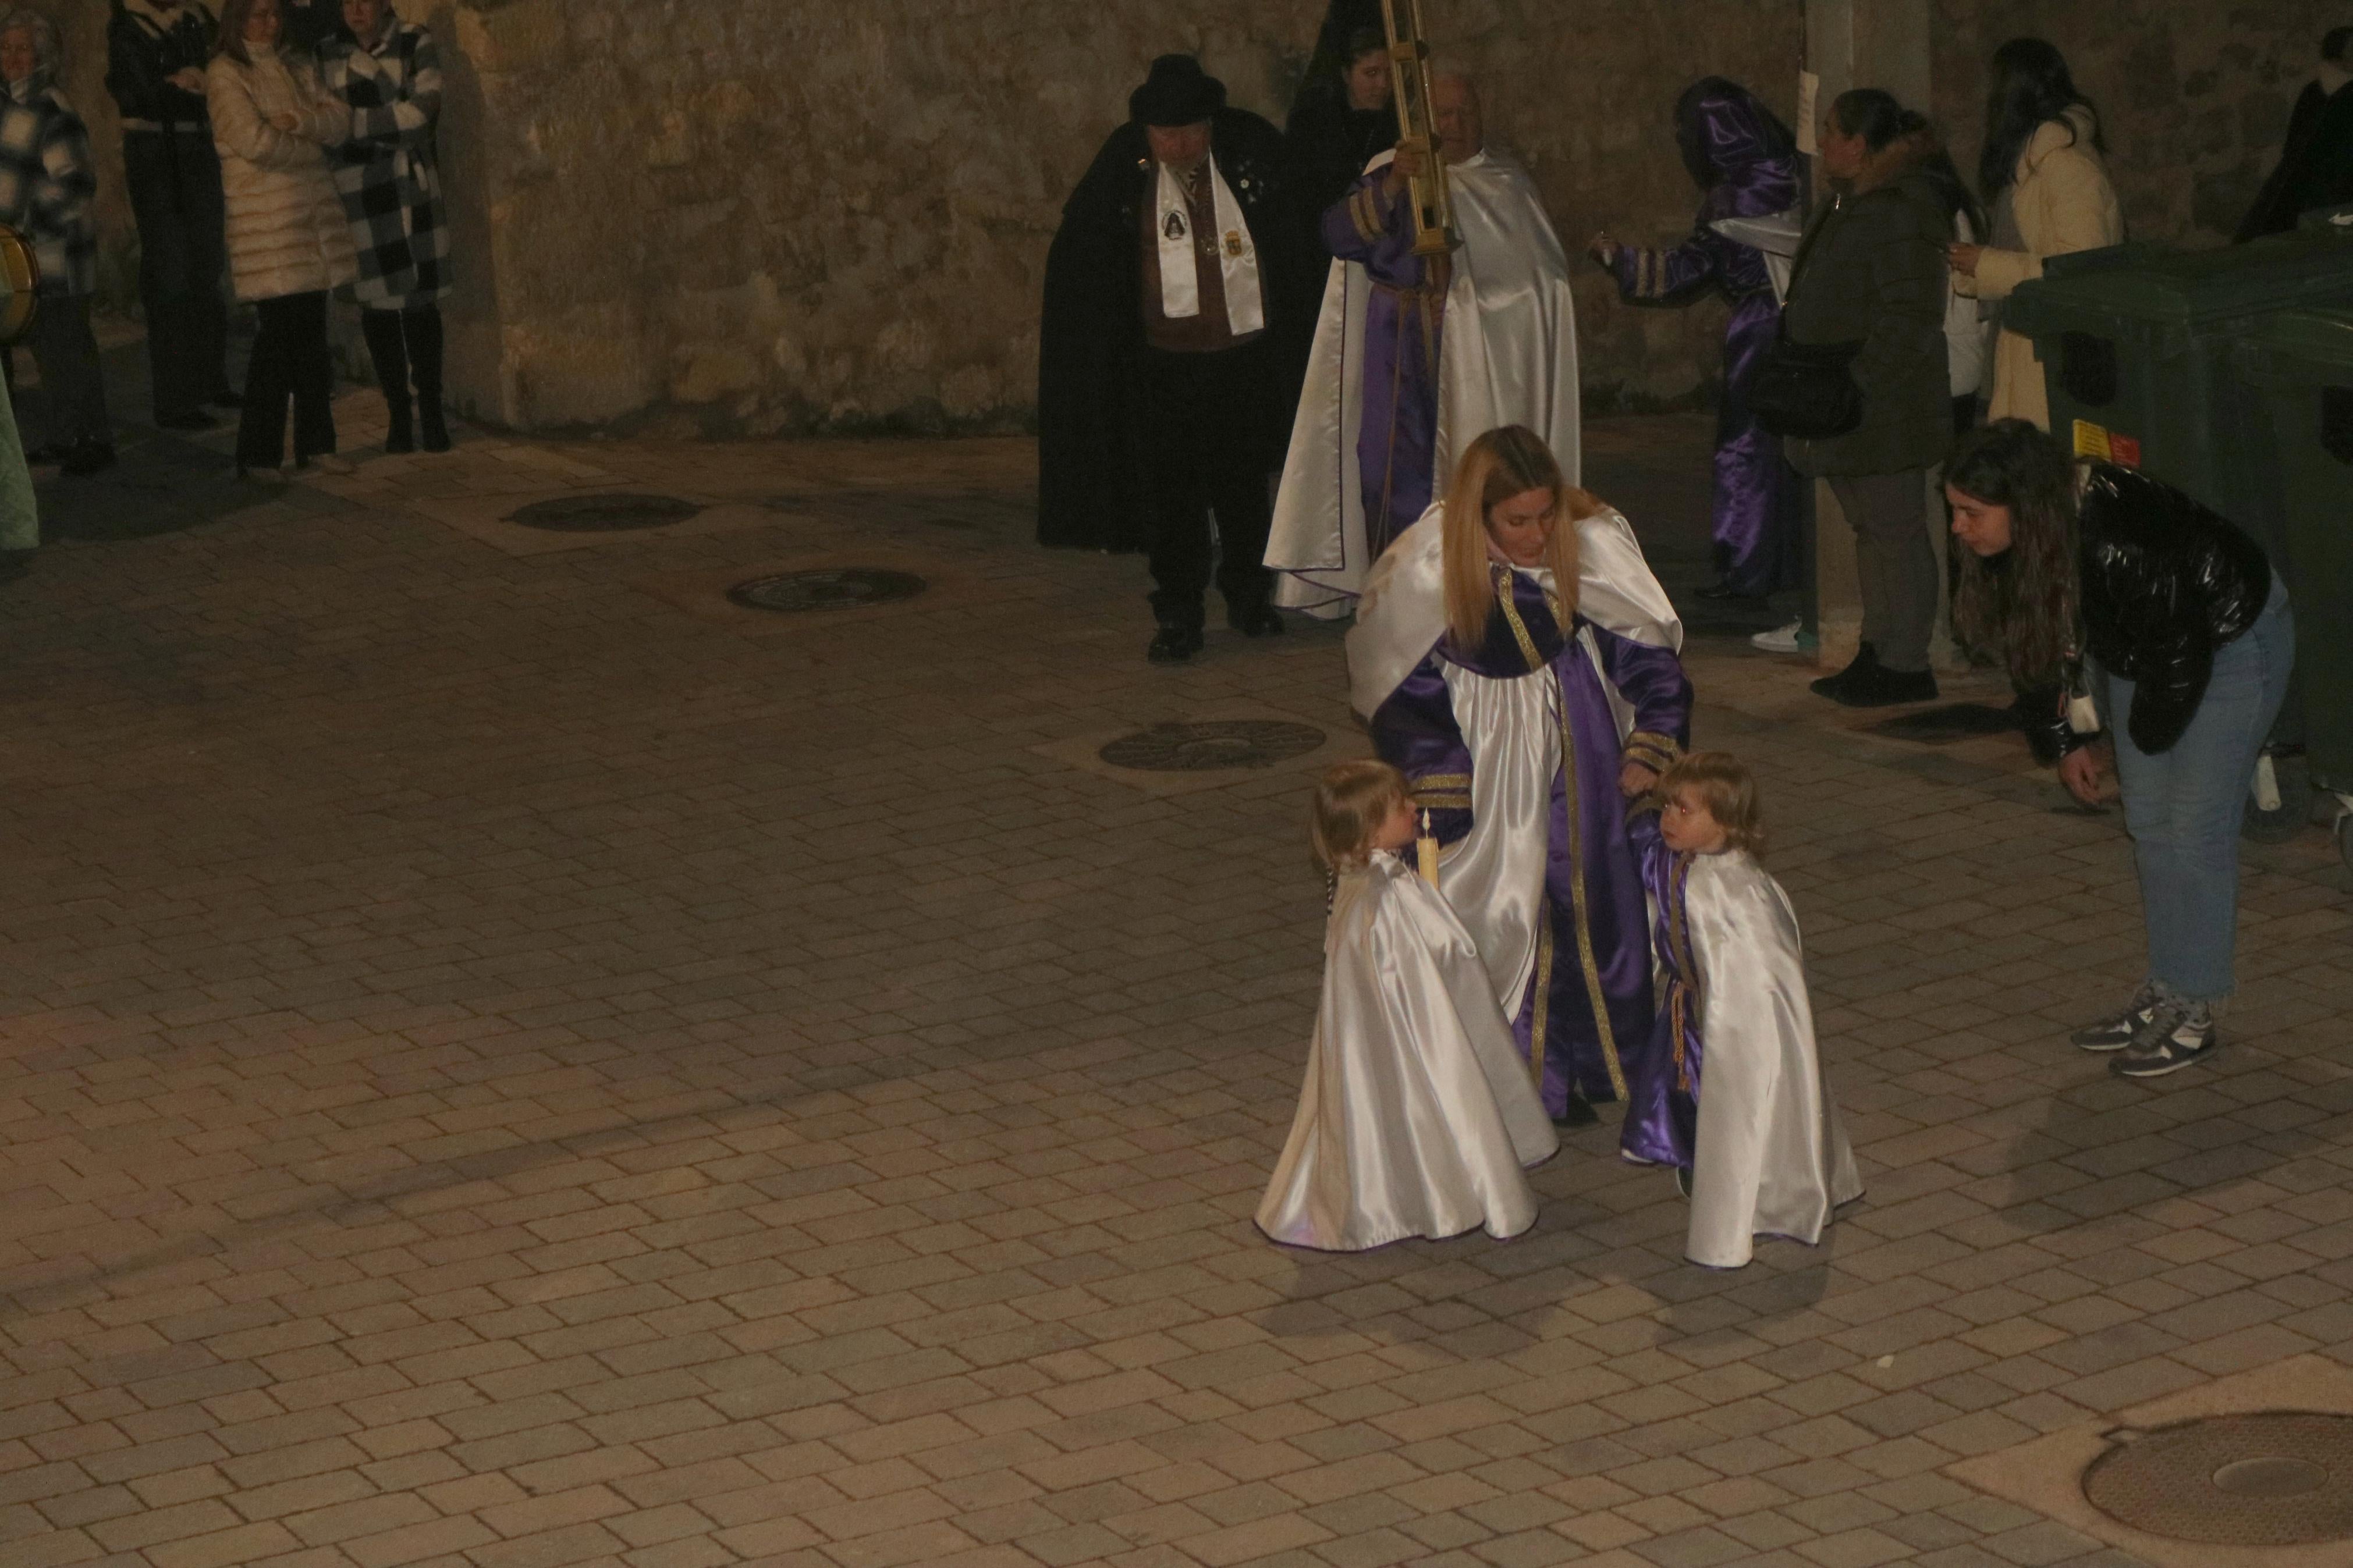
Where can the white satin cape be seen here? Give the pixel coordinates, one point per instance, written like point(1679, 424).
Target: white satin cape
point(1518, 367)
point(1416, 1115)
point(1771, 1156)
point(1494, 876)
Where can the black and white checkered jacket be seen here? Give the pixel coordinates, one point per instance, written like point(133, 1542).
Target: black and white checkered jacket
point(386, 175)
point(47, 187)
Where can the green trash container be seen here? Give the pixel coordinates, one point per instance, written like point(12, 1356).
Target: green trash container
point(2136, 345)
point(2299, 366)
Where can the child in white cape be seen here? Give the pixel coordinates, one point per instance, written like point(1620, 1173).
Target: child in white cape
point(1738, 1103)
point(1416, 1114)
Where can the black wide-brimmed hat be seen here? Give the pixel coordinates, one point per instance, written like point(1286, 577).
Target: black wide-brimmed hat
point(1177, 92)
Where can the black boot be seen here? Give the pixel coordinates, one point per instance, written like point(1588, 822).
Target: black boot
point(423, 326)
point(1175, 643)
point(1260, 619)
point(399, 431)
point(385, 348)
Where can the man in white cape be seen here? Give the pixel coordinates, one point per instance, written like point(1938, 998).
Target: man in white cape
point(1410, 361)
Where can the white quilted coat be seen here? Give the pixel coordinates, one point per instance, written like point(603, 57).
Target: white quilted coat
point(286, 228)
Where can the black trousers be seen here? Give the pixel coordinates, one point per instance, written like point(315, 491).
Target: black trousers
point(175, 183)
point(290, 359)
point(1207, 452)
point(73, 387)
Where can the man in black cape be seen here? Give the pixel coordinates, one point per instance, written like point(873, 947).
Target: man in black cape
point(1169, 352)
point(2315, 165)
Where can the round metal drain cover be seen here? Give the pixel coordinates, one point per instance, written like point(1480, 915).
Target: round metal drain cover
point(604, 514)
point(1199, 747)
point(2275, 1479)
point(827, 588)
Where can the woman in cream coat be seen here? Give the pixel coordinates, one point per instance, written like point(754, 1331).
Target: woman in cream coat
point(288, 242)
point(2046, 180)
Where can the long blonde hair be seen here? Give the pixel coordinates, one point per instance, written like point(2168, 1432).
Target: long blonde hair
point(1498, 465)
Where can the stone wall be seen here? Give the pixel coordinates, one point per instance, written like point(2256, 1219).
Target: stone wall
point(751, 216)
point(2194, 97)
point(789, 216)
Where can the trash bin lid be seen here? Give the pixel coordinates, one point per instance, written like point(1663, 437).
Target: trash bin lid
point(2191, 289)
point(2298, 347)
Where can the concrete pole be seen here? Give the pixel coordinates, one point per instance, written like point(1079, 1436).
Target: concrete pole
point(1850, 44)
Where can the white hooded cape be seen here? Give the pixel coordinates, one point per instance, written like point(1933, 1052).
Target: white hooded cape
point(1494, 876)
point(1508, 356)
point(1416, 1115)
point(1772, 1158)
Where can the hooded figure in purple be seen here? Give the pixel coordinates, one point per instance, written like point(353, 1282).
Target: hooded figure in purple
point(1745, 160)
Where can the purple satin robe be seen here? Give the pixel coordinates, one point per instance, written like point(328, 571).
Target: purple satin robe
point(1663, 1102)
point(1758, 499)
point(1397, 444)
point(1589, 1004)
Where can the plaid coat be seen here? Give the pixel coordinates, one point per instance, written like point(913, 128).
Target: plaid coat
point(47, 187)
point(386, 175)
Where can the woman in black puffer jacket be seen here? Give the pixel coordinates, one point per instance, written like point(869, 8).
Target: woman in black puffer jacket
point(2130, 579)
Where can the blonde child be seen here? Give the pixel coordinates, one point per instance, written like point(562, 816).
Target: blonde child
point(1755, 1138)
point(1416, 1114)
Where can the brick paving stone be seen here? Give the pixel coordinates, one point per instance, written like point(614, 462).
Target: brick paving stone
point(506, 1058)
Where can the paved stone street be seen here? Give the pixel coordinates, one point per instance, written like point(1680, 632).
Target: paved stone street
point(513, 1059)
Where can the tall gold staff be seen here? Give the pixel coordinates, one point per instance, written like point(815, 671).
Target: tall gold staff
point(1433, 209)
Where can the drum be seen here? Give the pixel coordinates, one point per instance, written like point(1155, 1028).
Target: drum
point(20, 286)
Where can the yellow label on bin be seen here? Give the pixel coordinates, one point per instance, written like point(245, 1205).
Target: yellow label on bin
point(2102, 444)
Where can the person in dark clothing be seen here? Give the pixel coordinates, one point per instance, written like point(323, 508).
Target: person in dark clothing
point(1164, 389)
point(1870, 277)
point(155, 55)
point(47, 193)
point(2315, 165)
point(1343, 113)
point(2133, 586)
point(311, 24)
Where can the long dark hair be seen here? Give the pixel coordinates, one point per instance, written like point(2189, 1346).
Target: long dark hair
point(2025, 601)
point(1874, 114)
point(2028, 86)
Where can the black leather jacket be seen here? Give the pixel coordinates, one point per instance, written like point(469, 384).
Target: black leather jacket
point(2165, 582)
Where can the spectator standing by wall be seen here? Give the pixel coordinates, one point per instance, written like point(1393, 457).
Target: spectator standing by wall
point(2315, 164)
point(46, 190)
point(389, 73)
point(1871, 274)
point(155, 55)
point(287, 244)
point(2044, 176)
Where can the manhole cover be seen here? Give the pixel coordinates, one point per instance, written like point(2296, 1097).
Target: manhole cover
point(827, 588)
point(604, 514)
point(1198, 748)
point(2276, 1478)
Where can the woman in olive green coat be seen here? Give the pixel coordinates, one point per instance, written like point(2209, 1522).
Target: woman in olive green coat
point(1871, 273)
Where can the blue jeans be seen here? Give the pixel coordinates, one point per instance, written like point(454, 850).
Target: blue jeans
point(2183, 806)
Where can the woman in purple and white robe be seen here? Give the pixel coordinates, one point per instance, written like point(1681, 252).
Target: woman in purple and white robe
point(1517, 661)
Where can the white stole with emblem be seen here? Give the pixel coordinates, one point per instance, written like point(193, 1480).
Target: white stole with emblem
point(1180, 284)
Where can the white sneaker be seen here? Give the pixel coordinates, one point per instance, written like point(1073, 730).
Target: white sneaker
point(1780, 639)
point(328, 463)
